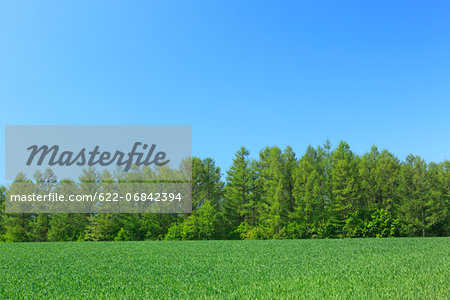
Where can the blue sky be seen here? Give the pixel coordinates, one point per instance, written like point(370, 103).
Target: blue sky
point(253, 73)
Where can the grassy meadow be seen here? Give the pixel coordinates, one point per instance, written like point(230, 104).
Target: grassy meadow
point(347, 268)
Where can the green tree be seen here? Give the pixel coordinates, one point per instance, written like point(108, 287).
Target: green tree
point(274, 200)
point(201, 225)
point(239, 205)
point(2, 213)
point(415, 194)
point(387, 179)
point(66, 226)
point(309, 193)
point(381, 225)
point(437, 203)
point(44, 184)
point(343, 185)
point(17, 225)
point(212, 186)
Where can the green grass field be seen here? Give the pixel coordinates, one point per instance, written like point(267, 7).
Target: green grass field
point(361, 268)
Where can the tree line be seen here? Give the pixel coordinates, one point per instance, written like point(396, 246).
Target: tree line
point(326, 193)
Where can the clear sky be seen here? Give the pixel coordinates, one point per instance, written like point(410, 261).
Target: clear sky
point(253, 73)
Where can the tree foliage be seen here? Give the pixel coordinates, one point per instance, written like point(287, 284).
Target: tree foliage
point(326, 193)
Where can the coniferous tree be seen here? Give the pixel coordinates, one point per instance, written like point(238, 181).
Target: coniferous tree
point(237, 191)
point(2, 212)
point(326, 193)
point(66, 226)
point(369, 194)
point(437, 202)
point(212, 187)
point(274, 201)
point(344, 187)
point(415, 193)
point(44, 184)
point(204, 222)
point(17, 225)
point(387, 180)
point(309, 194)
